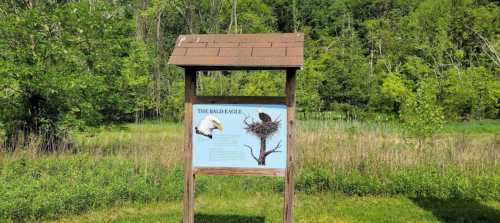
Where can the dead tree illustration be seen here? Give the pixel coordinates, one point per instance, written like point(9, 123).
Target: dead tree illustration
point(263, 130)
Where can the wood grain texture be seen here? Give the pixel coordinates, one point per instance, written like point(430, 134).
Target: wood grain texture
point(238, 38)
point(190, 92)
point(229, 68)
point(196, 57)
point(239, 100)
point(240, 171)
point(250, 50)
point(289, 176)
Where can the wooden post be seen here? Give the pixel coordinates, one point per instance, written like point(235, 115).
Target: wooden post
point(289, 183)
point(189, 95)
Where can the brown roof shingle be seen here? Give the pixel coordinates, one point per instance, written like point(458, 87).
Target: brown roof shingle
point(272, 50)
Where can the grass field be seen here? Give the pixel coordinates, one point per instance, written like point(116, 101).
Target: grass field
point(347, 172)
point(321, 208)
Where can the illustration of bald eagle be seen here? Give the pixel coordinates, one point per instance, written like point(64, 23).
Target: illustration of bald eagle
point(207, 125)
point(263, 116)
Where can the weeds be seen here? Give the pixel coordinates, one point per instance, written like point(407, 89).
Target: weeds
point(49, 187)
point(141, 163)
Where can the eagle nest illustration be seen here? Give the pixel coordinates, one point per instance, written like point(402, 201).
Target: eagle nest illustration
point(262, 129)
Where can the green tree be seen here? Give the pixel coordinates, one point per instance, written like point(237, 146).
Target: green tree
point(61, 68)
point(393, 91)
point(421, 112)
point(44, 79)
point(308, 95)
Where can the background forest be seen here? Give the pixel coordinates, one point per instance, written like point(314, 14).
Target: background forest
point(73, 64)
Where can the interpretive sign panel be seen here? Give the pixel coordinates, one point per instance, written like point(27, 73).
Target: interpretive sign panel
point(240, 135)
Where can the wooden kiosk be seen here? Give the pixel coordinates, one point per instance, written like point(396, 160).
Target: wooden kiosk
point(217, 52)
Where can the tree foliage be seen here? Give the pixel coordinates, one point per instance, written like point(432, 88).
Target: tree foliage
point(421, 113)
point(73, 64)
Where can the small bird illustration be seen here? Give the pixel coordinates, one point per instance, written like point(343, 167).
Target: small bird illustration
point(263, 116)
point(206, 126)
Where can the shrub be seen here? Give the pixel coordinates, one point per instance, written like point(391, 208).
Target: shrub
point(421, 114)
point(417, 182)
point(48, 187)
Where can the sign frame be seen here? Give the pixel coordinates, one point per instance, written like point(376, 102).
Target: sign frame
point(190, 172)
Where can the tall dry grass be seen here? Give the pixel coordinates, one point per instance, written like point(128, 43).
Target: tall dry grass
point(343, 145)
point(348, 145)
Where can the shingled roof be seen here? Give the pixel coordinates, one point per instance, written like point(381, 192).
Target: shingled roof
point(276, 50)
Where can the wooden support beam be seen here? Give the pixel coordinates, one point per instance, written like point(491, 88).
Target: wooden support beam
point(189, 171)
point(289, 182)
point(239, 100)
point(240, 171)
point(245, 68)
point(189, 95)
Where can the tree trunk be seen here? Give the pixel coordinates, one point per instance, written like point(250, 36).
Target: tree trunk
point(92, 4)
point(262, 155)
point(234, 19)
point(235, 5)
point(189, 15)
point(31, 4)
point(294, 16)
point(159, 59)
point(141, 21)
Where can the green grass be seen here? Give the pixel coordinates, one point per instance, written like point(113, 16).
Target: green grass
point(240, 207)
point(53, 186)
point(33, 189)
point(486, 126)
point(476, 126)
